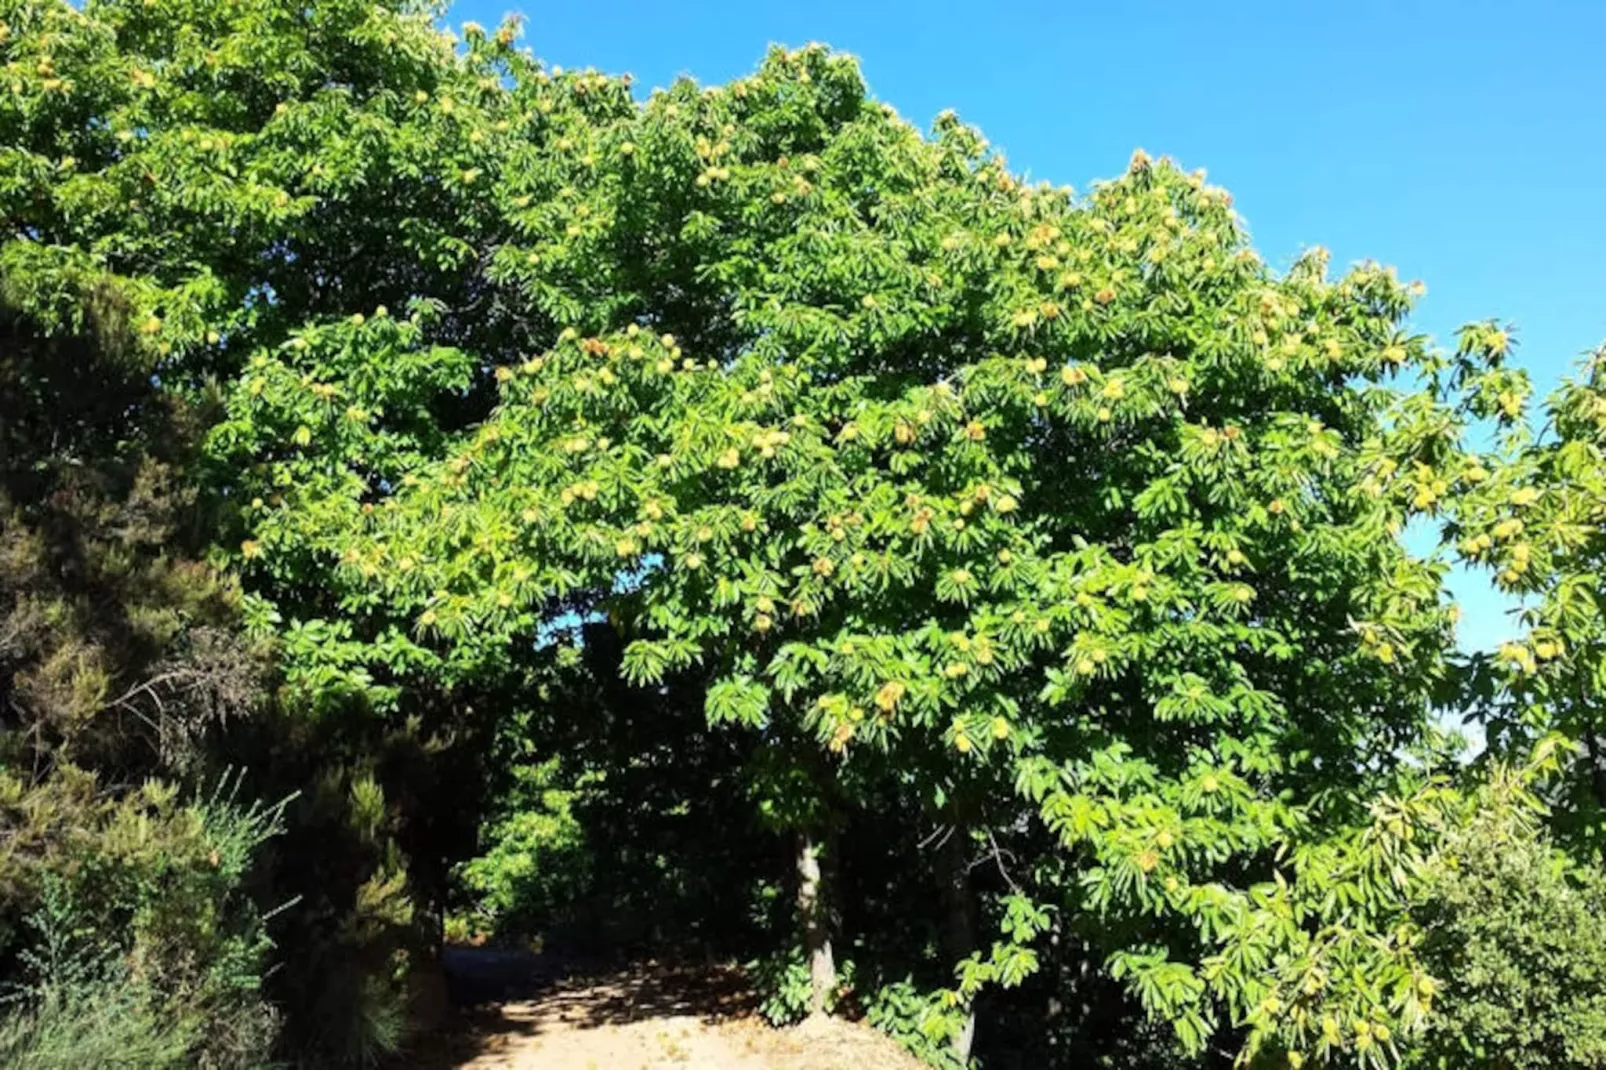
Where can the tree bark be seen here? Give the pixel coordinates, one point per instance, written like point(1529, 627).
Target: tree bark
point(814, 914)
point(959, 926)
point(1597, 771)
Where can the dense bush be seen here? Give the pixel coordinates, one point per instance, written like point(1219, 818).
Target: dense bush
point(1516, 933)
point(130, 934)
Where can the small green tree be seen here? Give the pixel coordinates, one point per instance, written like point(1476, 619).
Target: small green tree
point(1516, 933)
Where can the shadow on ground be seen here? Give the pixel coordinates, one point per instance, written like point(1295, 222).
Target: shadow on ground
point(500, 996)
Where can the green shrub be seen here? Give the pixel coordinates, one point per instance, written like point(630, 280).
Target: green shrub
point(127, 923)
point(922, 1023)
point(1516, 934)
point(781, 979)
point(99, 1023)
point(534, 856)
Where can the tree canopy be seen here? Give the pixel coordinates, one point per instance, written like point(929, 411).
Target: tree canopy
point(418, 407)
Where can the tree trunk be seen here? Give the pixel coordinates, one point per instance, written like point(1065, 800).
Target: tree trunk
point(959, 927)
point(1597, 771)
point(814, 914)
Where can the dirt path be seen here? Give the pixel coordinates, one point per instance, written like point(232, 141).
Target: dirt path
point(523, 1013)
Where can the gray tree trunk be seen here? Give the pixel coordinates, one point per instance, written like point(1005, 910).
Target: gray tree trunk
point(814, 914)
point(959, 925)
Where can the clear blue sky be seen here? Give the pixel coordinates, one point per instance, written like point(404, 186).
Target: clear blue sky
point(1462, 141)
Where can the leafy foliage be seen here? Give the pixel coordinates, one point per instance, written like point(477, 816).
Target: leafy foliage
point(665, 481)
point(784, 981)
point(922, 1025)
point(160, 221)
point(533, 856)
point(1534, 522)
point(131, 924)
point(1514, 929)
point(805, 379)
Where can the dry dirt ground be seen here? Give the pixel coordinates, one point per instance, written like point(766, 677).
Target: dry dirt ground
point(517, 1012)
